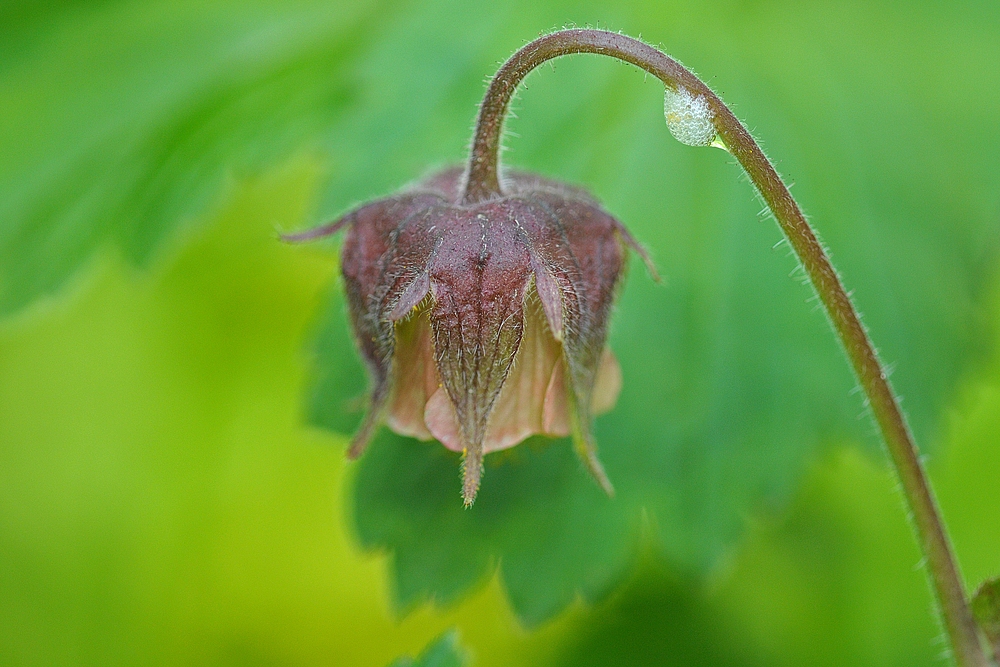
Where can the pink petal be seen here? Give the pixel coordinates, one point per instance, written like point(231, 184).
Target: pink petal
point(607, 386)
point(416, 377)
point(555, 419)
point(533, 399)
point(442, 420)
point(518, 410)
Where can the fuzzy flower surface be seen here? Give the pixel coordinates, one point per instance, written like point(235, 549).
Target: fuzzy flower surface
point(483, 324)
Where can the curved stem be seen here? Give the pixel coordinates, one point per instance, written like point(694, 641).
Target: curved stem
point(482, 182)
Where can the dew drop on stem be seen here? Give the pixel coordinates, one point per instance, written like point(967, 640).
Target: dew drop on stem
point(689, 118)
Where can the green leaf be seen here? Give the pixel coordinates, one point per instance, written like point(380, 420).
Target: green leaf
point(552, 530)
point(444, 651)
point(655, 620)
point(128, 118)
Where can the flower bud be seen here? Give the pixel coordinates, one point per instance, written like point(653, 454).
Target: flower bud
point(484, 324)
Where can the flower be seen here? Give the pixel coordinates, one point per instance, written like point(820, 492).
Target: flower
point(483, 324)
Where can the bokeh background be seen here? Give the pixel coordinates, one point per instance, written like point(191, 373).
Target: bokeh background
point(176, 385)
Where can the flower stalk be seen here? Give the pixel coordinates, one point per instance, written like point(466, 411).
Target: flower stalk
point(482, 183)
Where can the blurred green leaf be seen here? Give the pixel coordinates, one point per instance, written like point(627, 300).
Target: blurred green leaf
point(659, 619)
point(442, 652)
point(551, 530)
point(836, 580)
point(128, 117)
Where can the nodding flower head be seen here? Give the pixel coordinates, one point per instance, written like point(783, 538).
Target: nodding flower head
point(484, 324)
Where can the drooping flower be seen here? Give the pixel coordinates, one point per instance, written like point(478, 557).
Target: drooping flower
point(482, 324)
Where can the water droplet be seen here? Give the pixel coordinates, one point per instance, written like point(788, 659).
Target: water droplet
point(719, 143)
point(688, 117)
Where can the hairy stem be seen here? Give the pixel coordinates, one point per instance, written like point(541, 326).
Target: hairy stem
point(482, 182)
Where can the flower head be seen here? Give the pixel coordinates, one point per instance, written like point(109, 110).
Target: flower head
point(482, 324)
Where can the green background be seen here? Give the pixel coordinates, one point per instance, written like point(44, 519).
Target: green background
point(175, 385)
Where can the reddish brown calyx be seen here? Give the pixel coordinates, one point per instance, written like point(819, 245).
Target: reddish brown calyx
point(483, 324)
